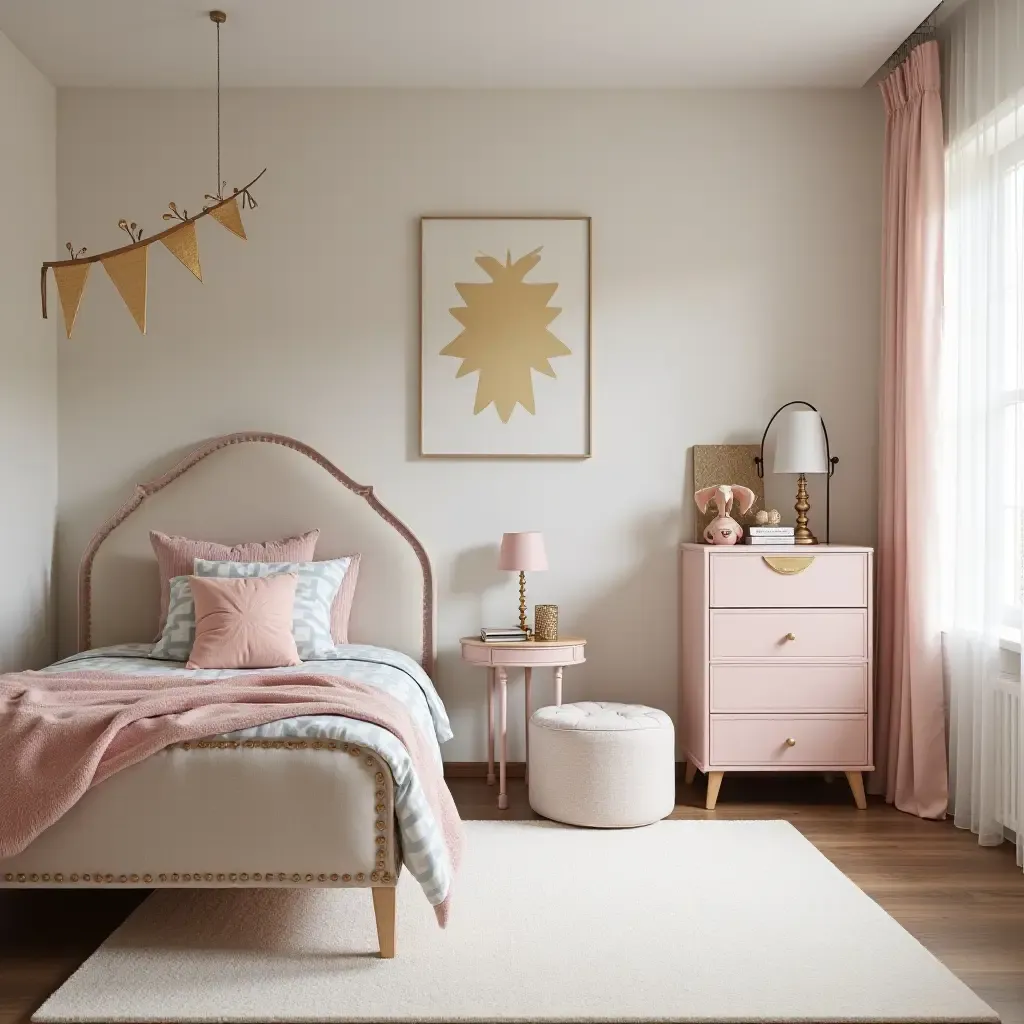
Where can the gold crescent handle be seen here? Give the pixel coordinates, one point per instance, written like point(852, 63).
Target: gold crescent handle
point(787, 565)
point(790, 742)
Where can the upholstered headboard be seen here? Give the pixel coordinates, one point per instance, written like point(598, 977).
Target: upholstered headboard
point(256, 486)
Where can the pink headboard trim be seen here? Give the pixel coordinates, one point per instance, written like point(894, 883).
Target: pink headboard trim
point(215, 444)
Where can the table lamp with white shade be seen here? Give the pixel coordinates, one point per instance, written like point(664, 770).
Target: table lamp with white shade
point(522, 553)
point(801, 448)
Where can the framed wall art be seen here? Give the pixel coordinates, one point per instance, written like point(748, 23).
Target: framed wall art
point(505, 337)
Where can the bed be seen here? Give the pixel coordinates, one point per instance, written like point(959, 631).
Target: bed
point(310, 801)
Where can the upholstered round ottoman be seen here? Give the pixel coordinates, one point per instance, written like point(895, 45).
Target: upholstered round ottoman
point(602, 764)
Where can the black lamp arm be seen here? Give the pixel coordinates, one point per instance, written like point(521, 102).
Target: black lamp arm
point(833, 460)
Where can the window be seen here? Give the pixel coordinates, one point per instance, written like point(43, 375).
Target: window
point(1010, 393)
point(982, 398)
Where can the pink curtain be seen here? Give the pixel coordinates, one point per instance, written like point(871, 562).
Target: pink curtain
point(910, 734)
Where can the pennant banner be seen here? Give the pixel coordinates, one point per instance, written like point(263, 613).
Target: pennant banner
point(229, 215)
point(128, 267)
point(182, 243)
point(70, 287)
point(128, 272)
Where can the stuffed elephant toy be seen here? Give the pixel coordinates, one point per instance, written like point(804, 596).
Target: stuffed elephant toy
point(724, 529)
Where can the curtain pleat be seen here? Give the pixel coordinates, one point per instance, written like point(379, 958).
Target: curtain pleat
point(910, 736)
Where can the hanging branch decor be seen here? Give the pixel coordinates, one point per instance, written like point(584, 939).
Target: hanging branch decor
point(128, 267)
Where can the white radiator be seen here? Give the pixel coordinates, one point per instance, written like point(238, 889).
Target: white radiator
point(1008, 741)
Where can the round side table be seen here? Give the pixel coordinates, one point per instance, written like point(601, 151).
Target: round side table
point(497, 658)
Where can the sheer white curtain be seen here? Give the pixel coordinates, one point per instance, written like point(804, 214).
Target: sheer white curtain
point(982, 401)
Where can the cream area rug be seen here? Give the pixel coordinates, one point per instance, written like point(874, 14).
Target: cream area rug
point(681, 921)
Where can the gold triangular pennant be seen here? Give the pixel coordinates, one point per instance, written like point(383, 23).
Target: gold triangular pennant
point(70, 287)
point(128, 272)
point(229, 216)
point(183, 244)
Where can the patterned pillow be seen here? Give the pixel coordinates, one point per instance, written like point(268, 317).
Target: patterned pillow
point(179, 633)
point(318, 583)
point(317, 586)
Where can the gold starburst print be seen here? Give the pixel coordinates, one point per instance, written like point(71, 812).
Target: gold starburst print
point(505, 333)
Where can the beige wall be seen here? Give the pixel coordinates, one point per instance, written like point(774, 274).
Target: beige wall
point(736, 266)
point(28, 355)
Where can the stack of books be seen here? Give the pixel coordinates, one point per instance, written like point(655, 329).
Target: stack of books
point(769, 535)
point(503, 634)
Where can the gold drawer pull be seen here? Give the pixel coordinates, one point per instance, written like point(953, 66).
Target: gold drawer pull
point(790, 742)
point(787, 565)
point(789, 636)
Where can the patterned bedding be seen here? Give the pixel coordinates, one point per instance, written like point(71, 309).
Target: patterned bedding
point(423, 848)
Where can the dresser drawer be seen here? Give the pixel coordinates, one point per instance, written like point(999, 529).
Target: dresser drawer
point(819, 634)
point(748, 580)
point(798, 688)
point(765, 740)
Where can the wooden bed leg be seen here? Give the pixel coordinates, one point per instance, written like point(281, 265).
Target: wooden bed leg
point(384, 907)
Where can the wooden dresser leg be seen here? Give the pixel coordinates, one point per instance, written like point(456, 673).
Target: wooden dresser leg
point(691, 773)
point(384, 906)
point(714, 785)
point(856, 781)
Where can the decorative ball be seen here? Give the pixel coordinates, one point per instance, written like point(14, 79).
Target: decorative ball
point(774, 517)
point(761, 518)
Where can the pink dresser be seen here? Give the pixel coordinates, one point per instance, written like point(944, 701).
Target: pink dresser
point(775, 662)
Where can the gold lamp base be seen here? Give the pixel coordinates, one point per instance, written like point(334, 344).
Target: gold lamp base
point(802, 535)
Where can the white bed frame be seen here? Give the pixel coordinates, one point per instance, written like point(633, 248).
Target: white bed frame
point(262, 813)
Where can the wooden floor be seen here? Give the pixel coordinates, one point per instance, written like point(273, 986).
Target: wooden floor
point(965, 903)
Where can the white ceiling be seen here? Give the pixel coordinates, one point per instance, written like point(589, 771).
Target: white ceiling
point(463, 43)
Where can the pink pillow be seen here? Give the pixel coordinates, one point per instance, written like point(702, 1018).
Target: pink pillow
point(175, 557)
point(244, 623)
point(342, 607)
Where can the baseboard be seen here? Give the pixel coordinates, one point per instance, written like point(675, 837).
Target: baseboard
point(513, 770)
point(517, 770)
point(478, 769)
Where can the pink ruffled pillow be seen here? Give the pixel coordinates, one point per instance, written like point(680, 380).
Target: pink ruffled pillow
point(244, 623)
point(342, 607)
point(175, 556)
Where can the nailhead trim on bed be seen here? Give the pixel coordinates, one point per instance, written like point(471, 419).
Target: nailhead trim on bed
point(164, 879)
point(235, 878)
point(264, 745)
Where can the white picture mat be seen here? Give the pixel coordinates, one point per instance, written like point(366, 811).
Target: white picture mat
point(561, 424)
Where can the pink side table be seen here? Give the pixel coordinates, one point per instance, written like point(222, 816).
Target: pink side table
point(498, 658)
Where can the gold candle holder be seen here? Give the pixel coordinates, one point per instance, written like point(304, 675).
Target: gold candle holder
point(545, 622)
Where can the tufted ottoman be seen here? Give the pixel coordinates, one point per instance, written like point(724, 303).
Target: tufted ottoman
point(602, 764)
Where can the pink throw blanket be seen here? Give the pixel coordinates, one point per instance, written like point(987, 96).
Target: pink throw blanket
point(62, 734)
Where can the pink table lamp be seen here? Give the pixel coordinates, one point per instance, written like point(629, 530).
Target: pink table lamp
point(522, 552)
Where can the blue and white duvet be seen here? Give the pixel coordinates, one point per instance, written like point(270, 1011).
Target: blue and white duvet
point(423, 848)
